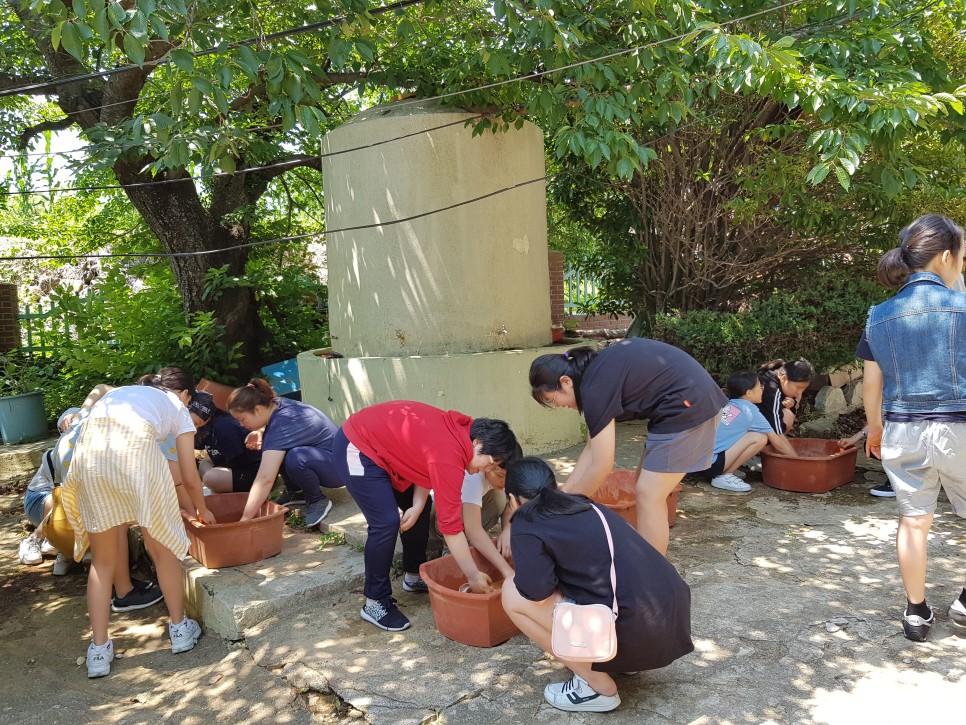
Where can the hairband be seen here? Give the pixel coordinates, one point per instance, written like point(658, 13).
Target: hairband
point(250, 385)
point(566, 355)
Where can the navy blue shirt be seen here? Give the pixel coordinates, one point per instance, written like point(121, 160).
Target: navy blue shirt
point(295, 424)
point(224, 440)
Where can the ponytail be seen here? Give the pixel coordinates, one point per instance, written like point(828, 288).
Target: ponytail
point(920, 242)
point(797, 371)
point(546, 371)
point(256, 392)
point(531, 478)
point(170, 378)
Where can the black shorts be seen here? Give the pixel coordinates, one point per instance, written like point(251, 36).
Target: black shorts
point(242, 479)
point(716, 468)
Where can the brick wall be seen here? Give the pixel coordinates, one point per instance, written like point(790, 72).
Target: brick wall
point(599, 322)
point(556, 263)
point(9, 325)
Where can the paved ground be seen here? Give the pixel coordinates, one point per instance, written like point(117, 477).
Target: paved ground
point(795, 620)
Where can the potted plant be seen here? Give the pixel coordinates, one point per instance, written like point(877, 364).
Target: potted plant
point(22, 415)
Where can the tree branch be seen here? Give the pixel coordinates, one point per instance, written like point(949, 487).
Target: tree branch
point(28, 134)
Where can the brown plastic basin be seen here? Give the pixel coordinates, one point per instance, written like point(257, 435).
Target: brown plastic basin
point(231, 542)
point(219, 393)
point(474, 619)
point(619, 493)
point(822, 466)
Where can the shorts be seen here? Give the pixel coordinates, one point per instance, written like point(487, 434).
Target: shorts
point(717, 466)
point(33, 505)
point(242, 479)
point(683, 452)
point(921, 457)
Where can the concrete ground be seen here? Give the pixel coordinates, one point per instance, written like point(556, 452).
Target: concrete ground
point(796, 601)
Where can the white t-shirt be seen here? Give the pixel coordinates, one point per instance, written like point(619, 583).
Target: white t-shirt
point(161, 409)
point(475, 487)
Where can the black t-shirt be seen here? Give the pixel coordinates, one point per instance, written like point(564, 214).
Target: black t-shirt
point(568, 553)
point(224, 440)
point(639, 378)
point(771, 401)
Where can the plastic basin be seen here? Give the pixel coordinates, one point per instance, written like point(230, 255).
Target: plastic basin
point(822, 466)
point(474, 619)
point(619, 493)
point(231, 542)
point(219, 393)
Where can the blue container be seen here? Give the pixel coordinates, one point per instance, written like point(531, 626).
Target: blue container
point(22, 418)
point(284, 377)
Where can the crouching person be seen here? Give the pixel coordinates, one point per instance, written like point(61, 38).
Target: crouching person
point(560, 551)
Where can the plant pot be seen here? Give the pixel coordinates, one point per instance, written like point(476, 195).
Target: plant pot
point(22, 418)
point(822, 467)
point(231, 542)
point(474, 619)
point(619, 493)
point(218, 392)
point(556, 335)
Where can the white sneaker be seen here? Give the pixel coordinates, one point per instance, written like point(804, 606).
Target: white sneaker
point(30, 552)
point(61, 566)
point(575, 695)
point(99, 659)
point(740, 474)
point(753, 464)
point(48, 549)
point(730, 482)
point(184, 635)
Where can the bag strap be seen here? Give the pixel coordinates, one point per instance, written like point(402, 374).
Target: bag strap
point(610, 545)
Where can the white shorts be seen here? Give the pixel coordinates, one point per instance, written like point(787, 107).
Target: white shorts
point(919, 458)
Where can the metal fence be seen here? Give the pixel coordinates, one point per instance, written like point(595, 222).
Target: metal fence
point(44, 329)
point(579, 290)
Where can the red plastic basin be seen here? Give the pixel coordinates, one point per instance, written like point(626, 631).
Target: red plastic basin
point(231, 542)
point(821, 467)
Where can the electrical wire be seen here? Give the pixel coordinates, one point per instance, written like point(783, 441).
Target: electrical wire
point(323, 232)
point(35, 89)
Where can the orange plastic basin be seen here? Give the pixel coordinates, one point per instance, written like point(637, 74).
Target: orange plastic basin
point(231, 542)
point(822, 466)
point(474, 619)
point(619, 493)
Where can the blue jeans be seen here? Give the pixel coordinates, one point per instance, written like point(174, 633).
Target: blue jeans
point(380, 503)
point(311, 469)
point(33, 505)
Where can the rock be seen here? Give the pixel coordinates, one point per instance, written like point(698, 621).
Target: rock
point(838, 378)
point(830, 400)
point(818, 428)
point(853, 393)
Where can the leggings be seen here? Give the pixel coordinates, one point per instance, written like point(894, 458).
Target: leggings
point(311, 469)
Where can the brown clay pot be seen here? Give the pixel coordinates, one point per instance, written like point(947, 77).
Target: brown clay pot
point(619, 493)
point(822, 466)
point(231, 542)
point(474, 619)
point(217, 391)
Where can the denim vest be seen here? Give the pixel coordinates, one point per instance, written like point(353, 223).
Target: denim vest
point(918, 339)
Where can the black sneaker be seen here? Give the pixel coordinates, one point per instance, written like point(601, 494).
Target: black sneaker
point(291, 496)
point(417, 585)
point(144, 594)
point(883, 490)
point(915, 627)
point(385, 615)
point(317, 511)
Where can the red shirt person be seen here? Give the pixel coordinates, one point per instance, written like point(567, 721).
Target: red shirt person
point(390, 456)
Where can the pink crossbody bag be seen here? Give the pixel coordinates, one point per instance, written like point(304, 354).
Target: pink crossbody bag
point(587, 632)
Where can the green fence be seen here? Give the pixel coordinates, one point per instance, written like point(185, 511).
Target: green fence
point(44, 329)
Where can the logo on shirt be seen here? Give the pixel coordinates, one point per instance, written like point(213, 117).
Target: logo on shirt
point(729, 413)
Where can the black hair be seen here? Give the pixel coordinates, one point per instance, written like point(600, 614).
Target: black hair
point(173, 379)
point(496, 439)
point(531, 478)
point(245, 398)
point(797, 371)
point(546, 371)
point(921, 241)
point(741, 382)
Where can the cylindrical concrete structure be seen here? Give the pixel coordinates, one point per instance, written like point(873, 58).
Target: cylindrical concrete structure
point(470, 278)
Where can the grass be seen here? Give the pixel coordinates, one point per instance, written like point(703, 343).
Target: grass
point(330, 539)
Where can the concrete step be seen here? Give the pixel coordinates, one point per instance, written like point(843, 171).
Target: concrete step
point(22, 460)
point(231, 601)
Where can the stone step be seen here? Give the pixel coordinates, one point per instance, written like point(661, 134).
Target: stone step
point(22, 460)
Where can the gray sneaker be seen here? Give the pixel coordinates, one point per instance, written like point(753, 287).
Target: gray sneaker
point(315, 512)
point(184, 635)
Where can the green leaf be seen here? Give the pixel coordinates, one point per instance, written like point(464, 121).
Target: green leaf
point(55, 35)
point(182, 59)
point(80, 8)
point(70, 40)
point(134, 49)
point(101, 26)
point(843, 177)
point(203, 85)
point(117, 14)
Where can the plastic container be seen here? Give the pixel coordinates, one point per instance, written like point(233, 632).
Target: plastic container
point(284, 376)
point(22, 418)
point(474, 619)
point(231, 542)
point(619, 493)
point(822, 467)
point(218, 392)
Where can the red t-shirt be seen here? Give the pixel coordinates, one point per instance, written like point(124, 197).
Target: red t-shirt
point(417, 443)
